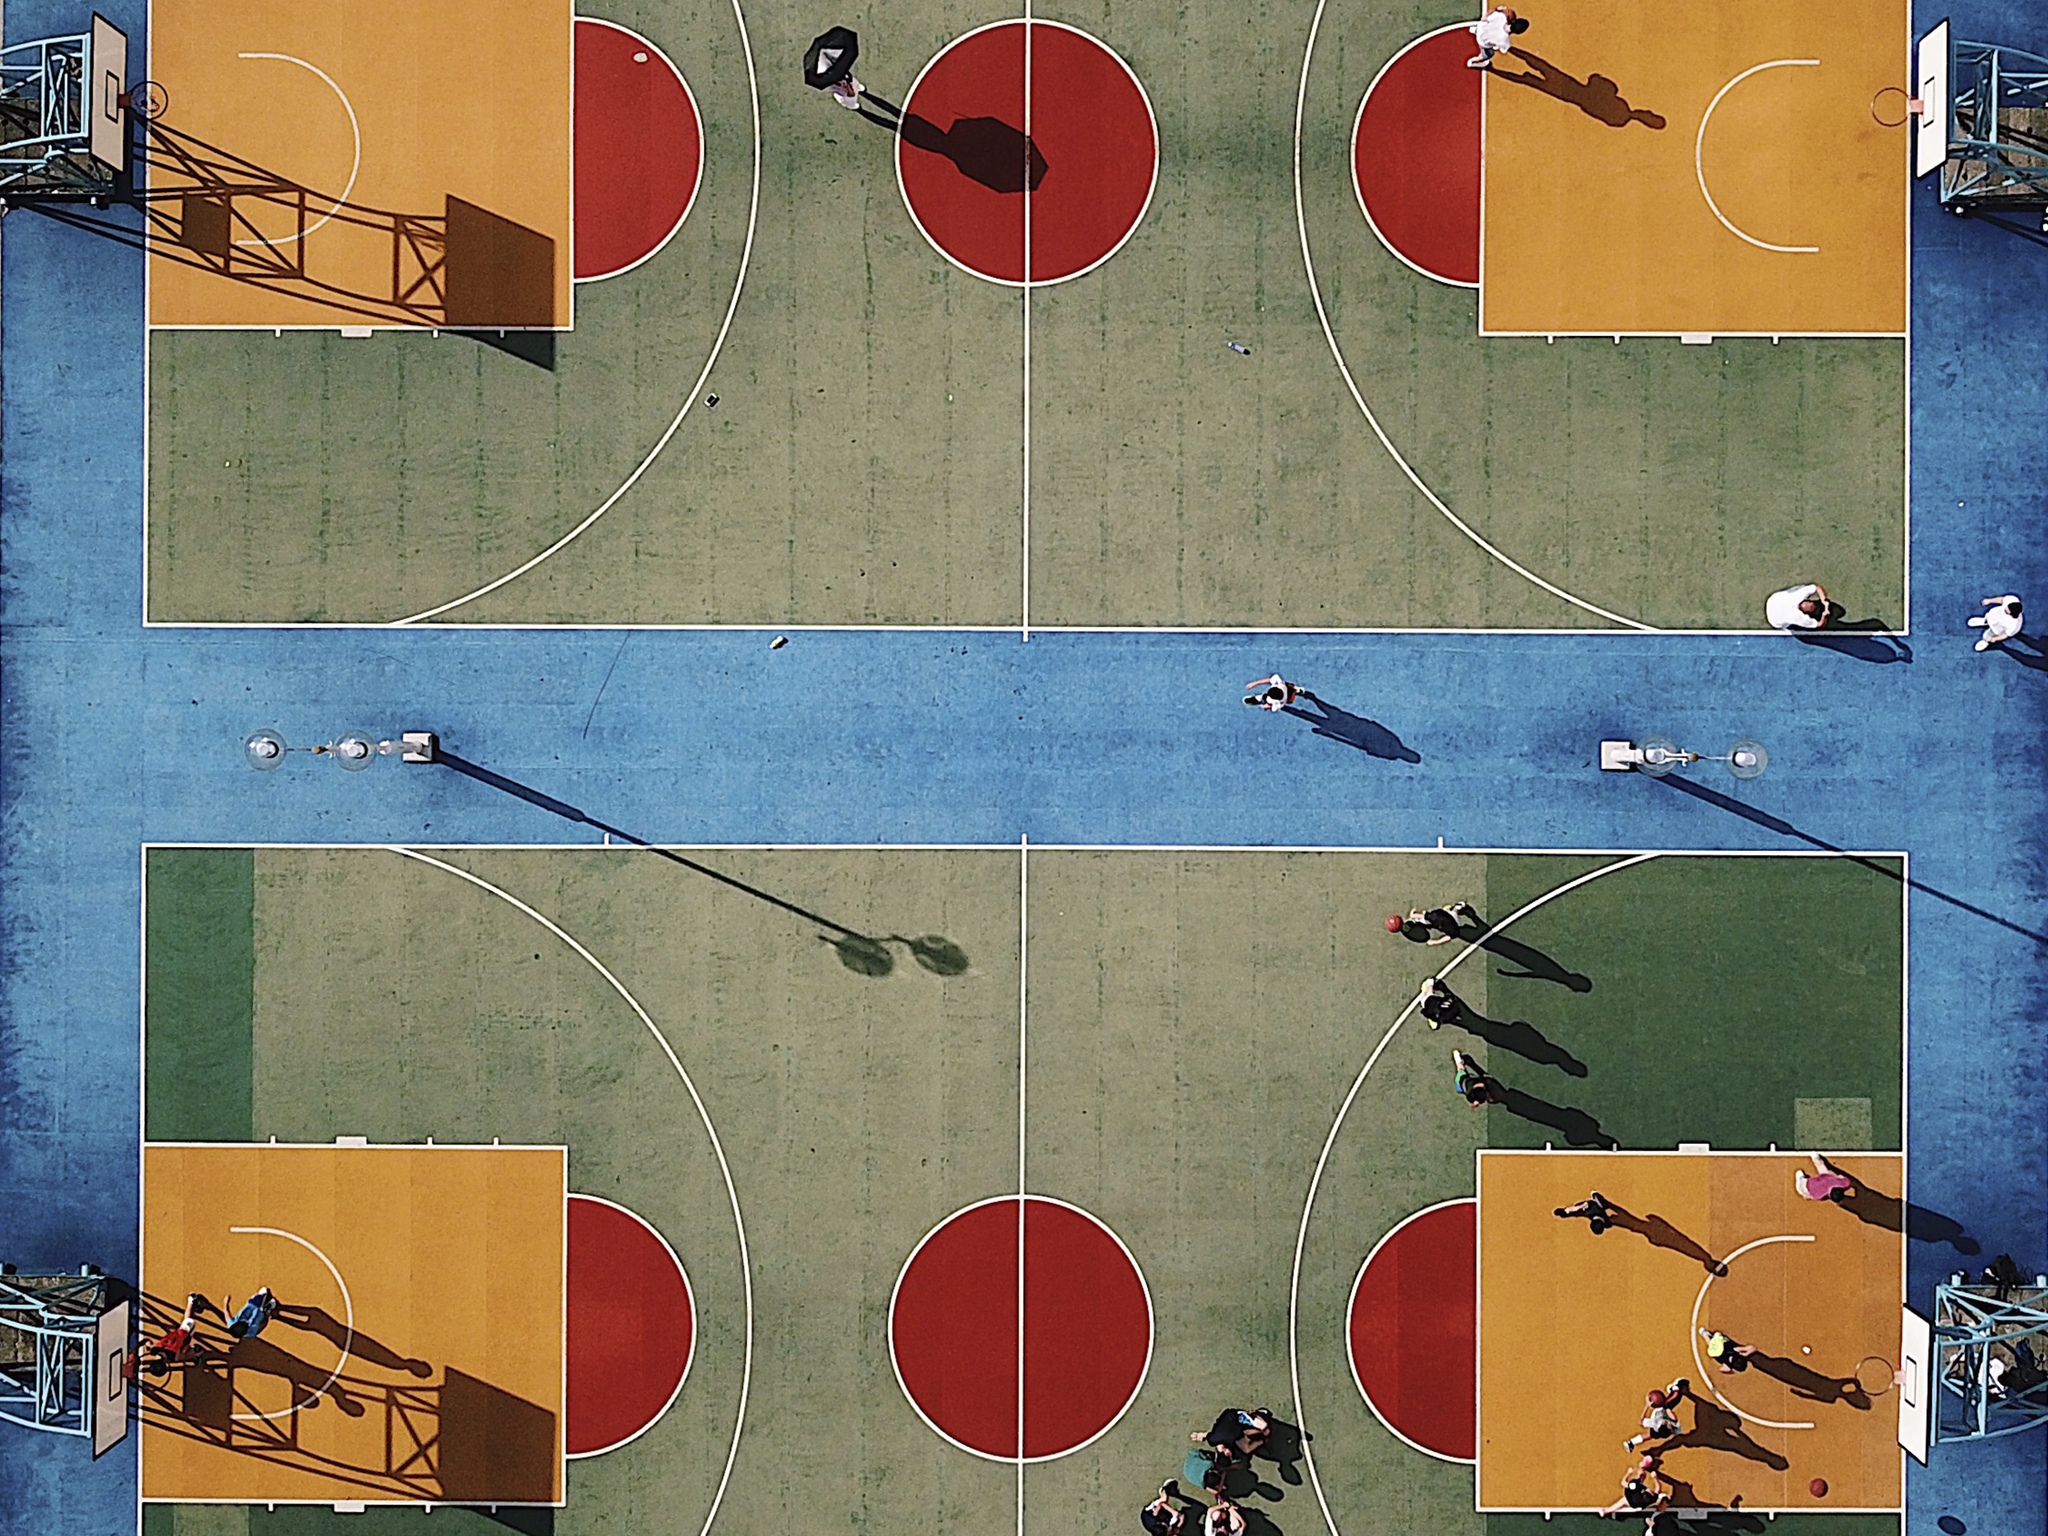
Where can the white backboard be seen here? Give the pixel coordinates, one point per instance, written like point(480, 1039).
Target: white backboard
point(1916, 1383)
point(1931, 85)
point(106, 76)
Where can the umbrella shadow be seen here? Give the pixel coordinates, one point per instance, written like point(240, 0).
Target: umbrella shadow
point(1574, 1125)
point(1810, 1384)
point(1661, 1233)
point(1596, 95)
point(1369, 736)
point(983, 149)
point(1521, 1037)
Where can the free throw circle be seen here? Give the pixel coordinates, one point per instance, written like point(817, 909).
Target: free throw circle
point(631, 1327)
point(1414, 1329)
point(1085, 1331)
point(1029, 116)
point(639, 151)
point(1415, 156)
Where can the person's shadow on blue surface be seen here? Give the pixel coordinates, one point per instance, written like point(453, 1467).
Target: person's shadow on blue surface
point(2027, 651)
point(1369, 736)
point(1878, 646)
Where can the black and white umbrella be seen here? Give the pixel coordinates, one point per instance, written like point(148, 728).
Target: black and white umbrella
point(830, 57)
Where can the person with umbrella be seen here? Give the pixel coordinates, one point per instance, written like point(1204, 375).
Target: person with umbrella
point(828, 66)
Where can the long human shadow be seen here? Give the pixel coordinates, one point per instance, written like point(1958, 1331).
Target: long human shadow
point(1535, 965)
point(1574, 1125)
point(360, 1346)
point(2027, 651)
point(1876, 1208)
point(862, 953)
point(1716, 1429)
point(1810, 1384)
point(1521, 1037)
point(1659, 1232)
point(1596, 95)
point(1369, 736)
point(1785, 828)
point(983, 149)
point(1868, 640)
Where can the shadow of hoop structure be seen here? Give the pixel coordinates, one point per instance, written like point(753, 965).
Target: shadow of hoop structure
point(462, 268)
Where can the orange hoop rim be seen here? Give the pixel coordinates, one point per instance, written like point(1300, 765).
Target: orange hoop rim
point(1903, 94)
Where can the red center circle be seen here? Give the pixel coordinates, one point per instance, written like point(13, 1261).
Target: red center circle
point(631, 1327)
point(1083, 175)
point(1415, 156)
point(1414, 1329)
point(639, 149)
point(1086, 1331)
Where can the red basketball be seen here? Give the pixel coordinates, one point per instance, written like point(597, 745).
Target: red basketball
point(1818, 1487)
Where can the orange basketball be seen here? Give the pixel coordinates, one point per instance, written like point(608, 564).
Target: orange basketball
point(1818, 1487)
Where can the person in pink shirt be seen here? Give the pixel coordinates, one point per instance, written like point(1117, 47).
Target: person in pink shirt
point(1826, 1182)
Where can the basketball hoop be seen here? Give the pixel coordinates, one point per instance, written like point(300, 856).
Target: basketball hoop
point(147, 100)
point(1915, 107)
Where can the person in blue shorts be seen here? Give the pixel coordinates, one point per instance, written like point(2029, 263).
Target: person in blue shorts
point(255, 1315)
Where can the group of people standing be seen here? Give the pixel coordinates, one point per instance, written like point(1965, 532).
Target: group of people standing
point(1225, 1447)
point(181, 1341)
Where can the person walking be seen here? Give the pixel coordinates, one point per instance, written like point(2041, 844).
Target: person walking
point(1826, 1182)
point(1496, 31)
point(1795, 608)
point(1660, 1414)
point(2000, 624)
point(1726, 1353)
point(1598, 1213)
point(1273, 693)
point(1472, 1083)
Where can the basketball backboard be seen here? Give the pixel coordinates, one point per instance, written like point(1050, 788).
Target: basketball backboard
point(1931, 86)
point(1916, 1381)
point(106, 78)
point(109, 1385)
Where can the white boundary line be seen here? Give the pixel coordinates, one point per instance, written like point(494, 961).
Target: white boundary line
point(1023, 1003)
point(1350, 383)
point(1025, 619)
point(696, 186)
point(1337, 1125)
point(348, 1322)
point(281, 625)
point(1351, 1307)
point(355, 166)
point(725, 1170)
point(1358, 120)
point(689, 399)
point(689, 1293)
point(1699, 141)
point(1694, 1339)
point(1151, 1330)
point(1416, 850)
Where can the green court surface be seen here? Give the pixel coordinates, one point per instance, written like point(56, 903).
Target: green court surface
point(866, 461)
point(1192, 1024)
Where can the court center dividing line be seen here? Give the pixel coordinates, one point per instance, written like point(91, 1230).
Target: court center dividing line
point(348, 1308)
point(1699, 169)
point(689, 398)
point(355, 163)
point(1322, 1159)
point(1350, 383)
point(1700, 1300)
point(724, 1169)
point(1023, 1036)
point(1025, 613)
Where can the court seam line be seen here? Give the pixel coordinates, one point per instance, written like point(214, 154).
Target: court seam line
point(1025, 615)
point(1352, 1303)
point(1700, 1301)
point(1358, 122)
point(689, 399)
point(1350, 383)
point(1023, 994)
point(1344, 1110)
point(1699, 170)
point(710, 1131)
point(356, 161)
point(695, 187)
point(348, 1323)
point(689, 1292)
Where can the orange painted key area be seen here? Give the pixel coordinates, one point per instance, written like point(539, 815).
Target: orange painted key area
point(417, 1356)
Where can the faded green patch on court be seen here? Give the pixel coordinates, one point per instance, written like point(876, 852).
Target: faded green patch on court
point(198, 994)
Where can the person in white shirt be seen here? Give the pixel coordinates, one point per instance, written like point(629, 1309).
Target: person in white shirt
point(1496, 31)
point(2000, 624)
point(1274, 693)
point(1802, 607)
